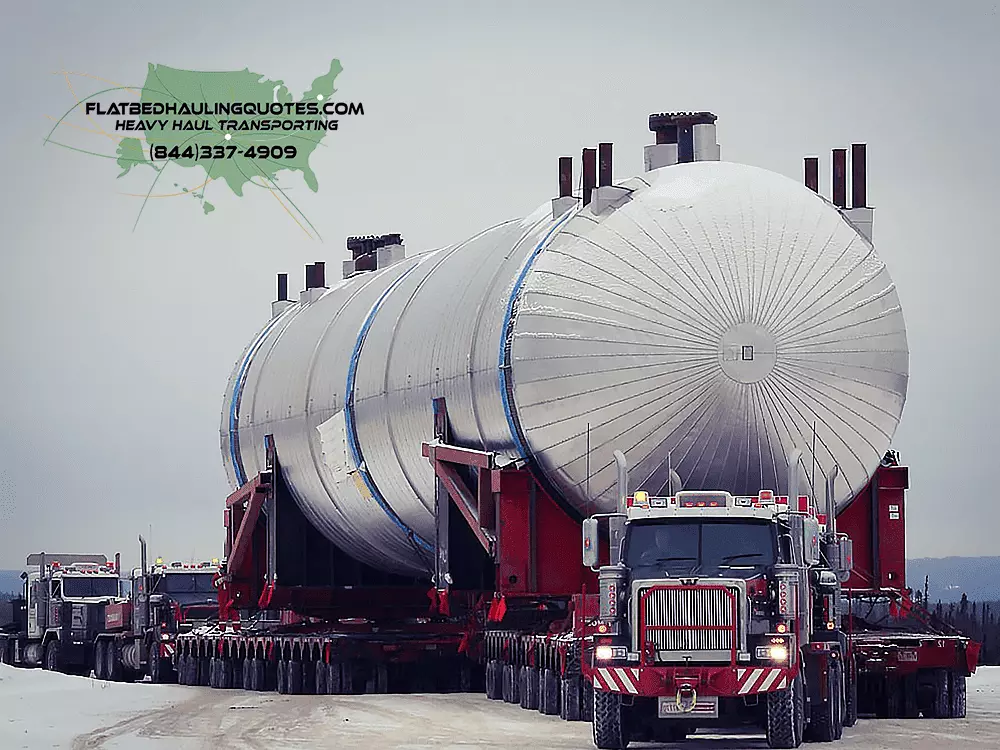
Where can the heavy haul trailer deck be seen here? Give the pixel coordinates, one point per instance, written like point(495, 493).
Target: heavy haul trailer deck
point(532, 643)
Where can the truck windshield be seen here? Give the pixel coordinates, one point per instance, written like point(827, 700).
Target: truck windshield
point(186, 583)
point(83, 586)
point(737, 548)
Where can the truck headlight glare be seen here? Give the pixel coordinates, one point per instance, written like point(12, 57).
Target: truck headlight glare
point(777, 652)
point(607, 653)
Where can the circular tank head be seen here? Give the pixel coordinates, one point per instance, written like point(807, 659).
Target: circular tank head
point(707, 324)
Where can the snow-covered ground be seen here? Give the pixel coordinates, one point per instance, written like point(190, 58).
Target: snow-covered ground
point(44, 711)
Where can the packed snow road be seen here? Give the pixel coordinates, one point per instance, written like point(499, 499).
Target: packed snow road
point(41, 710)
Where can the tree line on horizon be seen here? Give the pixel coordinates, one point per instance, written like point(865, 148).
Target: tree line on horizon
point(978, 620)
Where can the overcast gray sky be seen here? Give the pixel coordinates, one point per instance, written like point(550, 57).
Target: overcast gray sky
point(116, 345)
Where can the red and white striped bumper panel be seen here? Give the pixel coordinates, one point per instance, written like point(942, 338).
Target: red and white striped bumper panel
point(166, 649)
point(760, 680)
point(617, 679)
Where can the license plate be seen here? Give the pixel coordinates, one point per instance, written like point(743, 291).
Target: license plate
point(706, 707)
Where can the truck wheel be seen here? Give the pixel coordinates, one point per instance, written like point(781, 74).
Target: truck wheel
point(838, 695)
point(610, 732)
point(295, 677)
point(569, 706)
point(851, 698)
point(246, 673)
point(347, 677)
point(321, 675)
point(282, 677)
point(205, 671)
point(529, 688)
point(52, 663)
point(587, 702)
point(957, 696)
point(153, 664)
point(941, 700)
point(492, 681)
point(908, 687)
point(112, 662)
point(192, 670)
point(226, 673)
point(548, 696)
point(823, 717)
point(236, 670)
point(333, 678)
point(99, 648)
point(783, 711)
point(182, 669)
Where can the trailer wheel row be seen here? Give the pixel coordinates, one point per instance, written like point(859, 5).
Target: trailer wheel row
point(539, 673)
point(289, 667)
point(931, 693)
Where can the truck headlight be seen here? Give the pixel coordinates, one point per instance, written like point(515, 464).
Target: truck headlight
point(607, 653)
point(777, 652)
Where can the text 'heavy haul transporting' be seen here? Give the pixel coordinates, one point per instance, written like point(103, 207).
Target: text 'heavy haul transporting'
point(697, 372)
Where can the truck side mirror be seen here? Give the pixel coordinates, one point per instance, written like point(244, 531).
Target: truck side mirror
point(846, 558)
point(590, 545)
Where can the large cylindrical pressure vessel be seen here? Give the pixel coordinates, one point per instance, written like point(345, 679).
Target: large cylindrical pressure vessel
point(717, 314)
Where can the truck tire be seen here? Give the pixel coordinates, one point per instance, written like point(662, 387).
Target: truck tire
point(587, 702)
point(783, 715)
point(851, 697)
point(548, 692)
point(378, 680)
point(610, 732)
point(505, 680)
point(282, 677)
point(52, 661)
point(493, 684)
point(909, 708)
point(295, 677)
point(941, 700)
point(157, 668)
point(99, 648)
point(569, 705)
point(258, 680)
point(823, 717)
point(347, 677)
point(246, 674)
point(205, 671)
point(112, 662)
point(529, 688)
point(236, 668)
point(334, 685)
point(192, 670)
point(838, 684)
point(320, 677)
point(182, 669)
point(892, 701)
point(958, 705)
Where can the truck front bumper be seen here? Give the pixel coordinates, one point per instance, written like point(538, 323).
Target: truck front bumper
point(668, 681)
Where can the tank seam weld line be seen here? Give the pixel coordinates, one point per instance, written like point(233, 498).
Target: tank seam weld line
point(237, 398)
point(352, 438)
point(504, 361)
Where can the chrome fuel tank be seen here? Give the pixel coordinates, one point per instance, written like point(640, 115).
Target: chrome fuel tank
point(711, 311)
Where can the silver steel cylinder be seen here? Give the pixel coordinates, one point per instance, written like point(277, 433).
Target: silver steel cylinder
point(718, 313)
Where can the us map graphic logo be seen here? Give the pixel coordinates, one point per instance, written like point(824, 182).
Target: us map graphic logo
point(240, 130)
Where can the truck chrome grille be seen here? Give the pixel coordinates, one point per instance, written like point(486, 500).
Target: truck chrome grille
point(690, 610)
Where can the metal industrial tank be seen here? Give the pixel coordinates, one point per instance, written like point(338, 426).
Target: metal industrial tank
point(714, 313)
